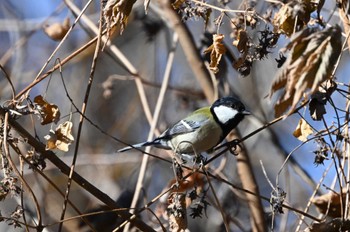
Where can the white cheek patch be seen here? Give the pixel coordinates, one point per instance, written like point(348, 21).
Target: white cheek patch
point(225, 113)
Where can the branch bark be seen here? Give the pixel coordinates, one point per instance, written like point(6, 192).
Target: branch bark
point(246, 174)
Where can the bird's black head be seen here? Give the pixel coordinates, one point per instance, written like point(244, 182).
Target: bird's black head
point(228, 112)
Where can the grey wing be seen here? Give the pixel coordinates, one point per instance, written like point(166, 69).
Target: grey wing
point(182, 127)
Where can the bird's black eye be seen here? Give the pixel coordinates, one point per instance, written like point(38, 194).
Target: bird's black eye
point(240, 108)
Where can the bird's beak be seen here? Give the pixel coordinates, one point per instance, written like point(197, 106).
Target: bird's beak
point(246, 112)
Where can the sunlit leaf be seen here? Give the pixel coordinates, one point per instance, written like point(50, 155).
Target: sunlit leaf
point(310, 62)
point(303, 130)
point(49, 112)
point(293, 15)
point(61, 138)
point(57, 31)
point(329, 202)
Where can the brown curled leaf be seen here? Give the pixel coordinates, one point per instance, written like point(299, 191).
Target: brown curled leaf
point(334, 225)
point(217, 49)
point(293, 15)
point(49, 112)
point(242, 41)
point(329, 203)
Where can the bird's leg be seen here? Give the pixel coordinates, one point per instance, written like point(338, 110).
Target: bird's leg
point(183, 160)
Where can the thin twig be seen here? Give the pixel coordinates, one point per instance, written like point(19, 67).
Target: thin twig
point(9, 80)
point(22, 193)
point(221, 9)
point(346, 150)
point(81, 120)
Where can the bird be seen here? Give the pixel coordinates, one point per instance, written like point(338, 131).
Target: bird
point(201, 130)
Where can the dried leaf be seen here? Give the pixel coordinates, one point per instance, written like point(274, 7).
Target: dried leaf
point(242, 41)
point(61, 138)
point(294, 12)
point(195, 179)
point(303, 130)
point(330, 200)
point(51, 140)
point(57, 31)
point(116, 13)
point(344, 10)
point(3, 195)
point(334, 225)
point(49, 112)
point(317, 106)
point(319, 99)
point(217, 49)
point(310, 62)
point(177, 3)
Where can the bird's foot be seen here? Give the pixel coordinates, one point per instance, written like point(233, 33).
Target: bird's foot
point(232, 146)
point(200, 160)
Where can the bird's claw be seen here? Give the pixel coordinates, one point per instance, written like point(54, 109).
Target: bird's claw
point(232, 146)
point(200, 160)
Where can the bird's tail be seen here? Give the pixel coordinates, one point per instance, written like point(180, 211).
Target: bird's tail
point(132, 146)
point(139, 145)
point(157, 143)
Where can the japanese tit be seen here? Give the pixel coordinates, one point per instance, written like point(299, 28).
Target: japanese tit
point(200, 131)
